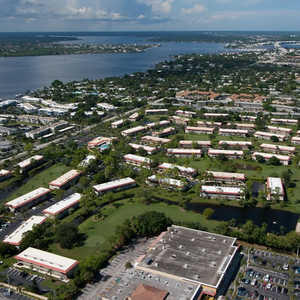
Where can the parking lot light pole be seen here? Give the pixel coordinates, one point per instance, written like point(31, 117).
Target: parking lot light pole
point(248, 259)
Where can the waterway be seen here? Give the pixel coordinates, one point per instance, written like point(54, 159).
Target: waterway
point(20, 74)
point(276, 220)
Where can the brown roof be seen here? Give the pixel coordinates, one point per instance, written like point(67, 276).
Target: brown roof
point(146, 292)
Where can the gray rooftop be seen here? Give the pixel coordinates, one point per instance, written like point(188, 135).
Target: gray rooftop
point(195, 255)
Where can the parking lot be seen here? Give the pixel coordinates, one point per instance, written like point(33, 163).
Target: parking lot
point(22, 278)
point(9, 294)
point(269, 277)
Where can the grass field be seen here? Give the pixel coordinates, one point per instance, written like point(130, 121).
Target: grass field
point(99, 231)
point(42, 179)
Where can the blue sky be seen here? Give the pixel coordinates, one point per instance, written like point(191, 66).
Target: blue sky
point(103, 15)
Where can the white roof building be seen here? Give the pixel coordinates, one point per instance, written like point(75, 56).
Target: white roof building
point(117, 124)
point(209, 124)
point(106, 106)
point(236, 143)
point(268, 135)
point(27, 162)
point(87, 160)
point(64, 179)
point(214, 115)
point(189, 143)
point(136, 159)
point(212, 152)
point(167, 181)
point(27, 198)
point(15, 238)
point(281, 130)
point(47, 260)
point(284, 121)
point(227, 176)
point(148, 149)
point(284, 159)
point(155, 139)
point(225, 131)
point(275, 187)
point(183, 151)
point(272, 147)
point(205, 130)
point(182, 170)
point(115, 184)
point(185, 113)
point(62, 205)
point(4, 173)
point(132, 131)
point(221, 190)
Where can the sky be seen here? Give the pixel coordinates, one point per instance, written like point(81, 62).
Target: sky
point(143, 15)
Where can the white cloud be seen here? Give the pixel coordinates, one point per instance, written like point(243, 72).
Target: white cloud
point(196, 9)
point(158, 6)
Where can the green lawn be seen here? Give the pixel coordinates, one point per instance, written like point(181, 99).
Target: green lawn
point(42, 179)
point(99, 231)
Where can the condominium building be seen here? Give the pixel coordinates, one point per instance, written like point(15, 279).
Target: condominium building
point(284, 159)
point(275, 189)
point(230, 154)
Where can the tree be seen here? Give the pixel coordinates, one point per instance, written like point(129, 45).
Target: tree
point(274, 161)
point(274, 139)
point(68, 236)
point(150, 223)
point(208, 212)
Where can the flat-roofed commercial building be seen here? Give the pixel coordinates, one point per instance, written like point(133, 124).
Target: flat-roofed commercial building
point(181, 152)
point(199, 130)
point(236, 144)
point(5, 174)
point(117, 124)
point(199, 258)
point(280, 130)
point(295, 140)
point(275, 189)
point(298, 133)
point(284, 159)
point(185, 113)
point(246, 126)
point(65, 180)
point(167, 182)
point(232, 193)
point(200, 144)
point(137, 160)
point(215, 115)
point(179, 120)
point(268, 135)
point(233, 132)
point(278, 148)
point(230, 154)
point(284, 121)
point(61, 208)
point(133, 131)
point(115, 185)
point(47, 263)
point(165, 132)
point(209, 124)
point(29, 199)
point(183, 171)
point(163, 111)
point(15, 238)
point(226, 177)
point(30, 163)
point(154, 140)
point(148, 149)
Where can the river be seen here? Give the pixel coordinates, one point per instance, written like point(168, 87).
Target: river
point(19, 74)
